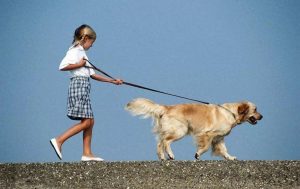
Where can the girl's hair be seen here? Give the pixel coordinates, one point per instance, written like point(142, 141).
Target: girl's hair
point(81, 32)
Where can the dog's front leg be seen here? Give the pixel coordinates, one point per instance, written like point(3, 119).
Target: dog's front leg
point(219, 148)
point(229, 157)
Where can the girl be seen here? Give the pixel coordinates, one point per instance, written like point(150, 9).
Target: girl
point(79, 105)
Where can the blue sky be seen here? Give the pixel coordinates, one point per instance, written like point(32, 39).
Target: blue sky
point(215, 51)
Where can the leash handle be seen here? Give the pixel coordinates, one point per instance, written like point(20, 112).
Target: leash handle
point(142, 87)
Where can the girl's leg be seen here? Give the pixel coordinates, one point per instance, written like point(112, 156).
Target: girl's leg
point(87, 139)
point(83, 125)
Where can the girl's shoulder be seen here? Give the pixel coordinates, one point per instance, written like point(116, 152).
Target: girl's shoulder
point(75, 49)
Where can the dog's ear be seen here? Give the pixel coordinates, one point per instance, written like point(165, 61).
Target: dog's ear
point(243, 109)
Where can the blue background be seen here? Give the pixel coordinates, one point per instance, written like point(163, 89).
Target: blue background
point(216, 51)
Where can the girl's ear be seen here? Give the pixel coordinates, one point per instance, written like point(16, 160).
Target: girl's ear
point(83, 39)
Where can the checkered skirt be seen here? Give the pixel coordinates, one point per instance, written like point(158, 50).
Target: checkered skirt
point(79, 104)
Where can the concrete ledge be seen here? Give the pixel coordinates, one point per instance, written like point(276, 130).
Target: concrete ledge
point(153, 174)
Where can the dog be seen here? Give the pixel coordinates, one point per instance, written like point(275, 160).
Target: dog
point(207, 123)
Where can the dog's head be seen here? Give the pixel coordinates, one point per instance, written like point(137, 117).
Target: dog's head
point(247, 111)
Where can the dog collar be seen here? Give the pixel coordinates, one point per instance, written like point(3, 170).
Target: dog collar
point(233, 115)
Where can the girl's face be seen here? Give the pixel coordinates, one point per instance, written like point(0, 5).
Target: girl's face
point(88, 43)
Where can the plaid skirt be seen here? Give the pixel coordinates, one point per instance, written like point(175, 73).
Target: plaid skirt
point(79, 104)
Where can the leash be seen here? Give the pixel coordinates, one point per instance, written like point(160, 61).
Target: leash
point(142, 87)
point(154, 90)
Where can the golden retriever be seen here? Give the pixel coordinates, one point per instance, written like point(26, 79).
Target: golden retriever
point(208, 124)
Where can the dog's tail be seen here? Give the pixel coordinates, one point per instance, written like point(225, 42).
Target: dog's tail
point(145, 108)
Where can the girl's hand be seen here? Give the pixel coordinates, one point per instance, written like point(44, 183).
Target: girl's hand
point(117, 82)
point(80, 64)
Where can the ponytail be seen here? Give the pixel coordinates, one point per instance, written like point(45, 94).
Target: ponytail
point(81, 32)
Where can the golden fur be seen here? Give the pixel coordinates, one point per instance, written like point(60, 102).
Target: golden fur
point(208, 124)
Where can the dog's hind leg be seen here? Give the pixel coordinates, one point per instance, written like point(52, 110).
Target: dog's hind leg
point(178, 130)
point(168, 149)
point(163, 146)
point(160, 150)
point(172, 138)
point(203, 144)
point(168, 130)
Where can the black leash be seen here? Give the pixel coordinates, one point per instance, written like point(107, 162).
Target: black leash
point(142, 87)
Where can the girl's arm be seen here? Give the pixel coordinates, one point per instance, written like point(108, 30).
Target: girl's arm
point(105, 79)
point(80, 64)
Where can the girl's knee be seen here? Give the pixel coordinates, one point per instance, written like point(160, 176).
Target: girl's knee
point(92, 122)
point(88, 123)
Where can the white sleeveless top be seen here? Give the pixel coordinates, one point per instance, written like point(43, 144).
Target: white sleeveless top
point(73, 56)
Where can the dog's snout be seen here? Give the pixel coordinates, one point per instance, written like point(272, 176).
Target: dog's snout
point(260, 117)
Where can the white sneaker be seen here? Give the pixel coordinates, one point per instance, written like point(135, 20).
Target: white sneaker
point(86, 158)
point(55, 147)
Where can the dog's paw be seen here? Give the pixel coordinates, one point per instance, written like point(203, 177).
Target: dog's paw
point(171, 157)
point(230, 157)
point(197, 156)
